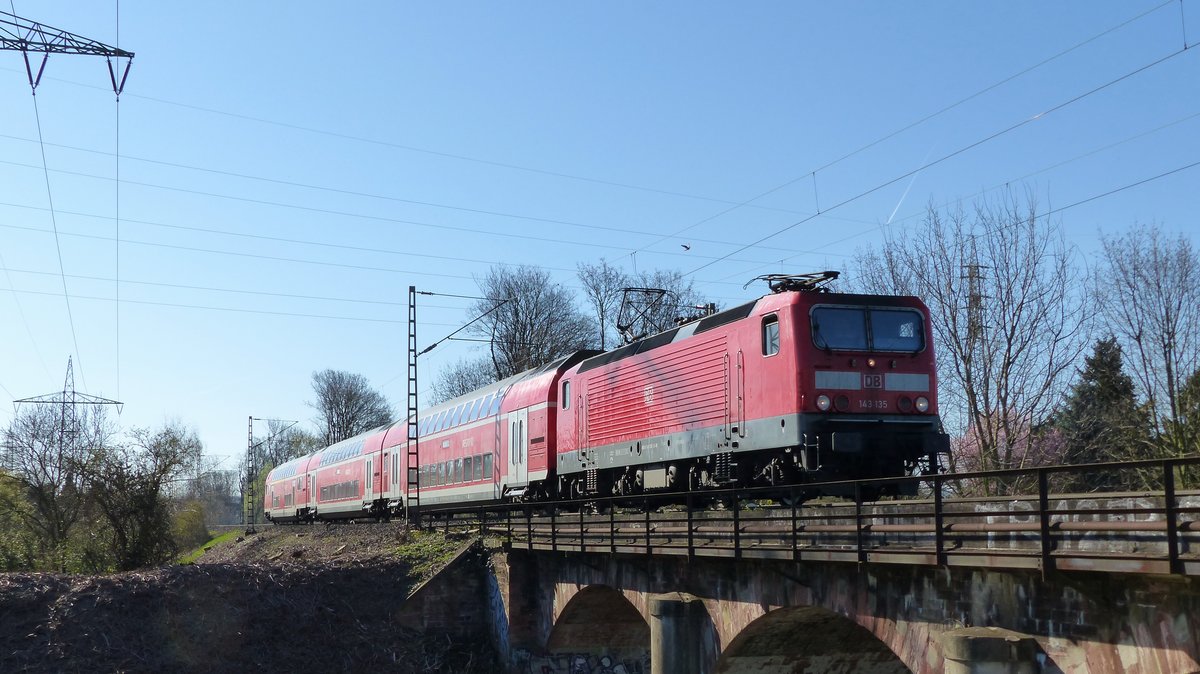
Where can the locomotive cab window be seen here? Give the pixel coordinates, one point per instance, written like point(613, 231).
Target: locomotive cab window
point(896, 330)
point(868, 329)
point(566, 395)
point(770, 335)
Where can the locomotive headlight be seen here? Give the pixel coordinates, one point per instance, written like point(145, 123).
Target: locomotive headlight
point(870, 362)
point(823, 402)
point(922, 404)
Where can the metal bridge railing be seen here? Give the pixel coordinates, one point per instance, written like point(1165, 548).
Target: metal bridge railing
point(1047, 527)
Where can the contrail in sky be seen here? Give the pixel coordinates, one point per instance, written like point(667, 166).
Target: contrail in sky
point(906, 189)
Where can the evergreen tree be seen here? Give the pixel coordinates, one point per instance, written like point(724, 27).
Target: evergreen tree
point(1102, 422)
point(1190, 415)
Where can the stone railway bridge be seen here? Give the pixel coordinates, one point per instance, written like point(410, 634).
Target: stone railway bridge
point(1029, 584)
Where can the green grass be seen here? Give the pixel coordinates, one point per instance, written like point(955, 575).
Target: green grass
point(426, 552)
point(192, 556)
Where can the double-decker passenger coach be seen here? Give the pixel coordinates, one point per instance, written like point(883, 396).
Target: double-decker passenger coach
point(799, 386)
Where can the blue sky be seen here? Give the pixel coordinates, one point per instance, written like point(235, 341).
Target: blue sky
point(279, 149)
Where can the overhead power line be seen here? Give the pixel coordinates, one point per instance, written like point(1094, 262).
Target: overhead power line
point(379, 218)
point(951, 155)
point(438, 153)
point(262, 312)
point(1045, 169)
point(912, 125)
point(26, 36)
point(209, 289)
point(1080, 202)
point(276, 258)
point(993, 188)
point(357, 193)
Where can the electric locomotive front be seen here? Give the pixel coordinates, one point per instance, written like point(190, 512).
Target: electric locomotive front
point(798, 386)
point(868, 387)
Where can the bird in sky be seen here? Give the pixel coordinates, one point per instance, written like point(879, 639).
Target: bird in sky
point(685, 246)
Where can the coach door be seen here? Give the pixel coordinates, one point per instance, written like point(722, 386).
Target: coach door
point(518, 447)
point(370, 480)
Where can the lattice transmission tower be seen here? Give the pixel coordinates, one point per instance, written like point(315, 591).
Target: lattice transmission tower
point(68, 401)
point(31, 37)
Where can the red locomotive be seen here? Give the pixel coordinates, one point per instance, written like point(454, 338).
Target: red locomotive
point(800, 385)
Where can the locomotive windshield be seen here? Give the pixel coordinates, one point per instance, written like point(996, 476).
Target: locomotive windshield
point(867, 329)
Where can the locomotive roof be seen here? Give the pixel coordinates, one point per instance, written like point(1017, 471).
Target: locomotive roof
point(736, 314)
point(683, 332)
point(504, 384)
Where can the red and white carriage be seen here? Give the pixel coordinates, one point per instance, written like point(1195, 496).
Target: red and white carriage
point(796, 386)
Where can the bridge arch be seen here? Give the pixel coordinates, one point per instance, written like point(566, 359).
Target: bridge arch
point(807, 639)
point(600, 628)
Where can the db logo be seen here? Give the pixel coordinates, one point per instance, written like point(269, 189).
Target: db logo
point(648, 393)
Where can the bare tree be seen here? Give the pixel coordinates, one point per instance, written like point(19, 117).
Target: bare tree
point(536, 323)
point(462, 378)
point(218, 493)
point(46, 460)
point(129, 486)
point(602, 284)
point(999, 283)
point(1147, 288)
point(283, 442)
point(347, 405)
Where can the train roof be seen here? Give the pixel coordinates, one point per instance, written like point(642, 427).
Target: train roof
point(503, 385)
point(767, 302)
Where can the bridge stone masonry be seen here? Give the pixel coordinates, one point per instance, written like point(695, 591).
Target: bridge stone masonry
point(571, 612)
point(1042, 583)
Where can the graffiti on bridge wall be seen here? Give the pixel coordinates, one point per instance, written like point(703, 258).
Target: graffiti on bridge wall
point(581, 663)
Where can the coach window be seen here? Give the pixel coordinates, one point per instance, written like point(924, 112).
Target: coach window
point(770, 335)
point(566, 395)
point(479, 467)
point(467, 469)
point(458, 471)
point(487, 466)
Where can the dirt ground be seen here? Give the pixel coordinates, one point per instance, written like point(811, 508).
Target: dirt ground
point(299, 598)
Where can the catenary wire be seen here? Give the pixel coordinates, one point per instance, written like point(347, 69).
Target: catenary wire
point(210, 288)
point(368, 195)
point(911, 125)
point(319, 244)
point(1089, 153)
point(993, 188)
point(401, 146)
point(1080, 202)
point(951, 155)
point(274, 258)
point(231, 309)
point(365, 216)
